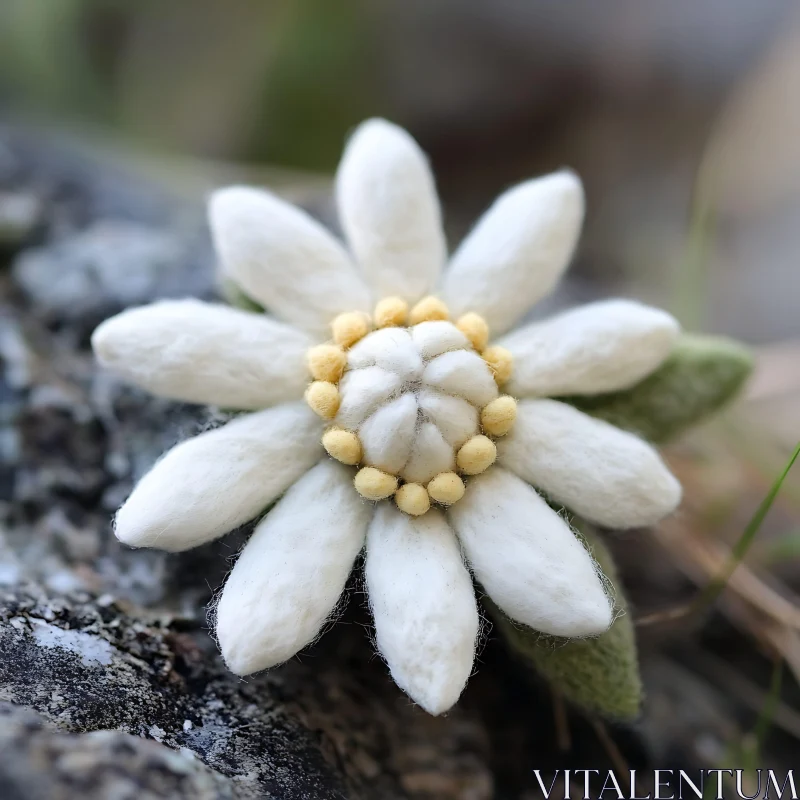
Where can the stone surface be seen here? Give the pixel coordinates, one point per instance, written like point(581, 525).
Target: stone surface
point(41, 763)
point(110, 265)
point(87, 666)
point(20, 213)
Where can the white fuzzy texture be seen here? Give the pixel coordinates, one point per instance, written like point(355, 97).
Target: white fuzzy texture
point(362, 392)
point(400, 392)
point(464, 374)
point(430, 455)
point(388, 435)
point(291, 573)
point(600, 347)
point(527, 559)
point(517, 251)
point(389, 211)
point(455, 418)
point(205, 353)
point(426, 620)
point(391, 349)
point(284, 259)
point(606, 475)
point(436, 337)
point(211, 484)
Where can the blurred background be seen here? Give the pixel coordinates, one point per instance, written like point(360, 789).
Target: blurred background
point(682, 118)
point(653, 106)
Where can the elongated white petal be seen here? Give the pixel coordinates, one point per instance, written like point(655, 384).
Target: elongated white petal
point(290, 575)
point(527, 559)
point(205, 353)
point(462, 373)
point(426, 620)
point(600, 347)
point(518, 250)
point(390, 212)
point(606, 475)
point(388, 435)
point(211, 484)
point(284, 259)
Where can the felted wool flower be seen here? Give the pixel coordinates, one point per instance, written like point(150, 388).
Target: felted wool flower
point(432, 410)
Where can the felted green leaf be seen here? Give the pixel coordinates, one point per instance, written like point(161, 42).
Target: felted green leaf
point(600, 675)
point(231, 292)
point(699, 377)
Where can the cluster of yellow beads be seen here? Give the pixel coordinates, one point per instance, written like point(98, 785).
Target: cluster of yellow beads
point(413, 498)
point(327, 363)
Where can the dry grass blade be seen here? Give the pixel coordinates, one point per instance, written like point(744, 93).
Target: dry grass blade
point(610, 746)
point(713, 590)
point(712, 559)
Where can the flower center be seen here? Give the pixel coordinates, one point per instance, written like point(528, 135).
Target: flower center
point(415, 402)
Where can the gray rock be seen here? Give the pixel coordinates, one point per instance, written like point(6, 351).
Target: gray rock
point(306, 730)
point(40, 763)
point(20, 214)
point(110, 265)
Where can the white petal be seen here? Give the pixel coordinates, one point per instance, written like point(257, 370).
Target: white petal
point(426, 620)
point(284, 259)
point(211, 484)
point(391, 349)
point(454, 417)
point(390, 212)
point(291, 573)
point(436, 337)
point(430, 455)
point(606, 475)
point(527, 559)
point(387, 436)
point(518, 250)
point(601, 347)
point(462, 373)
point(205, 353)
point(362, 391)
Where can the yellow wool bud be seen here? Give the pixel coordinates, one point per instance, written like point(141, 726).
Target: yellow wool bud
point(326, 362)
point(413, 499)
point(476, 455)
point(391, 312)
point(446, 488)
point(348, 328)
point(323, 398)
point(344, 446)
point(474, 327)
point(373, 484)
point(498, 417)
point(429, 308)
point(500, 361)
